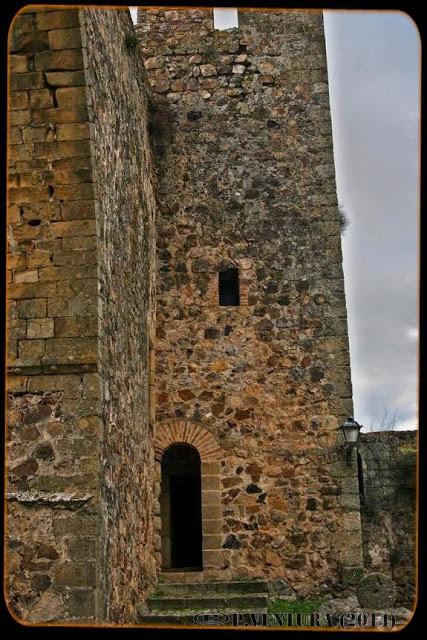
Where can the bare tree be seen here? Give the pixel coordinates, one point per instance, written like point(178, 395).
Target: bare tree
point(384, 420)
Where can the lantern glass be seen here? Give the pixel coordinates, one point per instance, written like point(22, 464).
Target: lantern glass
point(351, 429)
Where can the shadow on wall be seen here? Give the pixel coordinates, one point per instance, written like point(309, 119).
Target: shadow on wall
point(387, 464)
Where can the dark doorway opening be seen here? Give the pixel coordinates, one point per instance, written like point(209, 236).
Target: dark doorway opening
point(229, 294)
point(181, 508)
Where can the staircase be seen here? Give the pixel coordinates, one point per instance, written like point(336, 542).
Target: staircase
point(179, 597)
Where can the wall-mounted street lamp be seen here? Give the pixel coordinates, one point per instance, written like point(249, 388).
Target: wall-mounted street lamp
point(350, 430)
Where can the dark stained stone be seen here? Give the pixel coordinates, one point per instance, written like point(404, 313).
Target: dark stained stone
point(212, 333)
point(253, 488)
point(311, 504)
point(44, 451)
point(231, 542)
point(316, 374)
point(27, 468)
point(40, 582)
point(301, 286)
point(41, 412)
point(194, 115)
point(376, 591)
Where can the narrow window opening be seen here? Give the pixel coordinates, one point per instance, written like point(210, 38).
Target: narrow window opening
point(229, 295)
point(225, 18)
point(360, 479)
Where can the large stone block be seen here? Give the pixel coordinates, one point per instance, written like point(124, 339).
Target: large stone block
point(71, 97)
point(75, 525)
point(39, 99)
point(73, 228)
point(57, 19)
point(75, 131)
point(31, 349)
point(57, 115)
point(66, 59)
point(76, 327)
point(376, 591)
point(18, 118)
point(53, 383)
point(81, 548)
point(31, 308)
point(65, 78)
point(19, 63)
point(18, 100)
point(32, 290)
point(78, 210)
point(73, 574)
point(65, 38)
point(25, 81)
point(62, 149)
point(40, 328)
point(71, 350)
point(72, 306)
point(81, 603)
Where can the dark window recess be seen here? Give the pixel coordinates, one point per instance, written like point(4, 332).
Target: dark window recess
point(229, 288)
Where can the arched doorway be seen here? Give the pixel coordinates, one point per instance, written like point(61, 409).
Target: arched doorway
point(181, 508)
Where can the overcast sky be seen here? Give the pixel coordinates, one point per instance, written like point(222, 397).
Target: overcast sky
point(373, 65)
point(374, 87)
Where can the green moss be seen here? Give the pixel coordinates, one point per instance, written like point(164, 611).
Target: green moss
point(131, 42)
point(246, 579)
point(301, 605)
point(210, 54)
point(407, 450)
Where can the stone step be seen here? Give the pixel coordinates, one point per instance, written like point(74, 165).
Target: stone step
point(181, 576)
point(218, 602)
point(205, 588)
point(208, 618)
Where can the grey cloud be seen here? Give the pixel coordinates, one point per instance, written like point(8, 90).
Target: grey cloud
point(373, 76)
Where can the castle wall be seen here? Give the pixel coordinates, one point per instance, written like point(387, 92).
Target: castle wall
point(54, 414)
point(81, 302)
point(241, 129)
point(388, 461)
point(126, 247)
point(243, 141)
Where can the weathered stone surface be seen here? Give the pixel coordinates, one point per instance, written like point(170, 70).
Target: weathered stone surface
point(388, 470)
point(124, 172)
point(99, 328)
point(376, 591)
point(44, 474)
point(261, 376)
point(75, 575)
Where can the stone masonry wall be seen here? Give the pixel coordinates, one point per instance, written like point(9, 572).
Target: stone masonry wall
point(243, 140)
point(388, 461)
point(126, 240)
point(53, 416)
point(81, 309)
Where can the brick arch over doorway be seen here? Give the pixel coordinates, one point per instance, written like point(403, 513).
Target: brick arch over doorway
point(182, 432)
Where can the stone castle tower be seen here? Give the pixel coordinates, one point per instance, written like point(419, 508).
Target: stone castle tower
point(178, 354)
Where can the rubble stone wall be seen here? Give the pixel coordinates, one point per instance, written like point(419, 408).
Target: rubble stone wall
point(126, 246)
point(388, 463)
point(243, 141)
